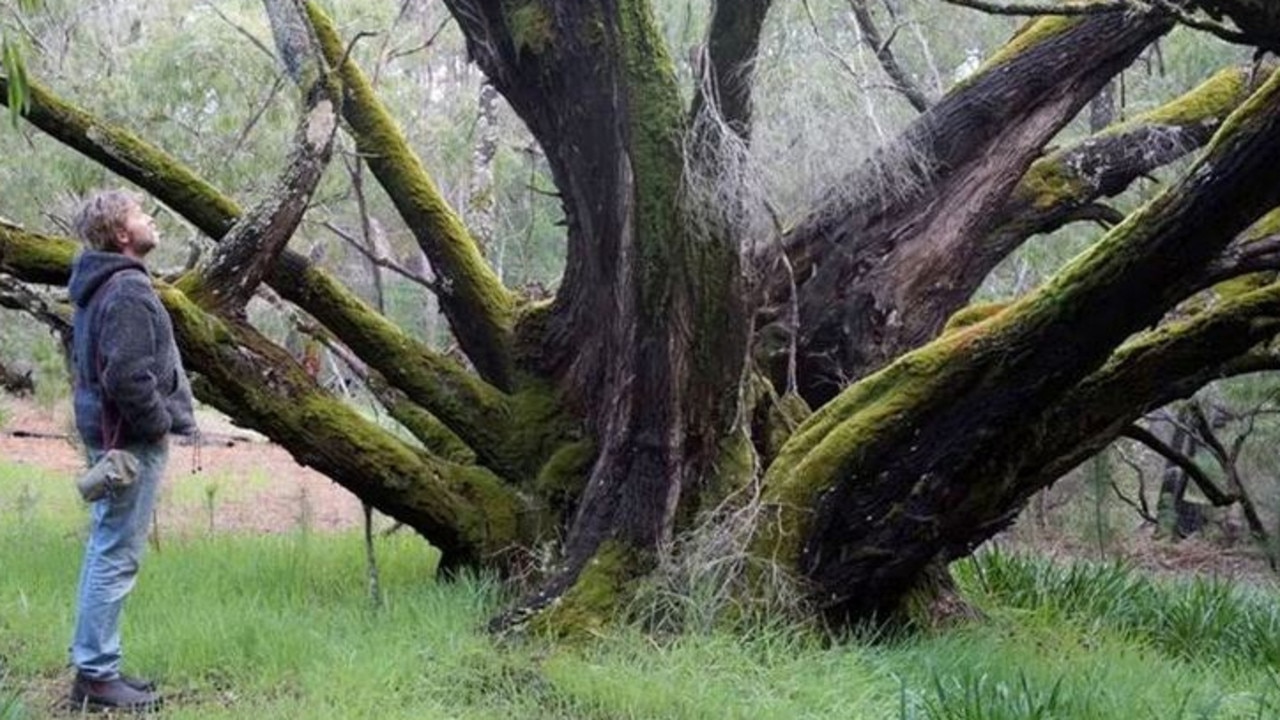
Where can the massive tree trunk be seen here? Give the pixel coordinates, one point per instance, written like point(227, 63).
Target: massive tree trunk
point(615, 416)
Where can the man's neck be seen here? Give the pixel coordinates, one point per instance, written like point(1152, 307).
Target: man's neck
point(129, 252)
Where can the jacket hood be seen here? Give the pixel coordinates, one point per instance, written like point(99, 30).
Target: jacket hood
point(92, 268)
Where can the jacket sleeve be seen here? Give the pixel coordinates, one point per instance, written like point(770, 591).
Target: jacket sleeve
point(127, 346)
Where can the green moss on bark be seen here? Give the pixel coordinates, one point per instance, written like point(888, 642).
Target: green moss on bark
point(972, 315)
point(530, 25)
point(1028, 36)
point(655, 122)
point(33, 257)
point(824, 449)
point(480, 310)
point(596, 597)
point(465, 510)
point(563, 477)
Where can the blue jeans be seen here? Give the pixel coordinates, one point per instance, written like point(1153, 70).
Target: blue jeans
point(117, 538)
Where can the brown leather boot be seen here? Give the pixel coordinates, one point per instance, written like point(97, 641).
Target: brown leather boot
point(115, 694)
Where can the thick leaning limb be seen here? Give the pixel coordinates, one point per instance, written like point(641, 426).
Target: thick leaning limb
point(481, 311)
point(246, 255)
point(900, 262)
point(1069, 179)
point(247, 252)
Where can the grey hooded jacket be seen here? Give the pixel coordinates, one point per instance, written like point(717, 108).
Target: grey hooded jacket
point(129, 383)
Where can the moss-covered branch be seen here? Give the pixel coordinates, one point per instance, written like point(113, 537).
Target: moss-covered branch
point(477, 412)
point(34, 257)
point(466, 511)
point(132, 158)
point(480, 310)
point(1103, 165)
point(904, 463)
point(1232, 337)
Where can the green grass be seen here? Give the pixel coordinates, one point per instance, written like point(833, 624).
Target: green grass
point(281, 627)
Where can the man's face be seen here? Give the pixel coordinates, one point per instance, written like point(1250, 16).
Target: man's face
point(137, 234)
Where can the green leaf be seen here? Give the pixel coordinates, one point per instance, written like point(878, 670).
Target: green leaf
point(15, 70)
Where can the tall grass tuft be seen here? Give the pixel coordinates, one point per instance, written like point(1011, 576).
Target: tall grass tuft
point(983, 698)
point(1187, 620)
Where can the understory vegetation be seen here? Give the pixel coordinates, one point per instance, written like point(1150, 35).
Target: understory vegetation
point(281, 626)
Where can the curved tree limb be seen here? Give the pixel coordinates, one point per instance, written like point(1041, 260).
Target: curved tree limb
point(246, 254)
point(1231, 338)
point(950, 175)
point(1056, 186)
point(466, 511)
point(249, 250)
point(1211, 491)
point(480, 310)
point(434, 435)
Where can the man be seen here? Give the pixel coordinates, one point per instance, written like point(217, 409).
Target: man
point(130, 393)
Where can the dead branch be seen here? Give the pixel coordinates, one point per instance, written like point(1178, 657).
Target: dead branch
point(249, 250)
point(381, 260)
point(882, 47)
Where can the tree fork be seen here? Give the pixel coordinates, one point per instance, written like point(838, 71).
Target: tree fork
point(1149, 371)
point(1106, 163)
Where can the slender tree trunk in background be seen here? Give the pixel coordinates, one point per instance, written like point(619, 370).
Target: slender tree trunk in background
point(1102, 109)
point(1171, 508)
point(482, 203)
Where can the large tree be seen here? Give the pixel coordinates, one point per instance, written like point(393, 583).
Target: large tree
point(669, 382)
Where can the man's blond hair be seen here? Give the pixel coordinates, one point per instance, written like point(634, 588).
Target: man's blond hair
point(101, 217)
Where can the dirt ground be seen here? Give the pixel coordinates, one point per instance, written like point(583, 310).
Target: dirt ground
point(236, 480)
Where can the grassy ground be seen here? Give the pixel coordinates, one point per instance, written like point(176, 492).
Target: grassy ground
point(281, 626)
